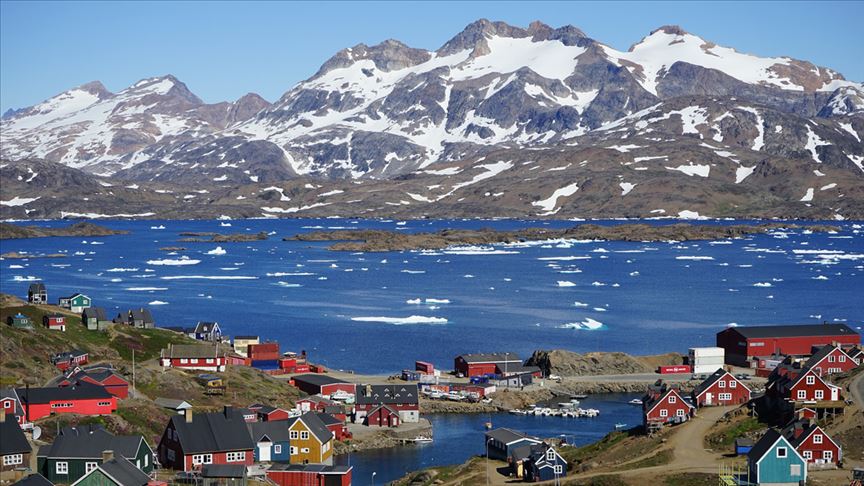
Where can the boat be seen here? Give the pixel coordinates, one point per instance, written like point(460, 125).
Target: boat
point(518, 411)
point(578, 397)
point(635, 401)
point(488, 425)
point(422, 439)
point(620, 425)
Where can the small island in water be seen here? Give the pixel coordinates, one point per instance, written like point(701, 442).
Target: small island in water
point(10, 231)
point(386, 240)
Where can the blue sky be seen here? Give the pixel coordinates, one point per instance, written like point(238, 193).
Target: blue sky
point(223, 50)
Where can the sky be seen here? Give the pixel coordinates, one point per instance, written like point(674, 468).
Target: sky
point(223, 50)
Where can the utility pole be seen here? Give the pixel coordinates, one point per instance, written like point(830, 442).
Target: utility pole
point(133, 372)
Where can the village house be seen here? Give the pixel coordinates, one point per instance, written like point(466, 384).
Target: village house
point(241, 344)
point(744, 343)
point(721, 388)
point(102, 375)
point(83, 399)
point(266, 413)
point(486, 363)
point(207, 331)
point(311, 440)
point(176, 404)
point(70, 359)
point(37, 294)
point(830, 359)
point(814, 445)
point(15, 451)
point(96, 319)
point(114, 471)
point(538, 462)
point(663, 404)
point(223, 475)
point(272, 441)
point(10, 406)
point(773, 460)
point(315, 403)
point(203, 357)
point(54, 321)
point(336, 425)
point(34, 479)
point(304, 474)
point(804, 386)
point(75, 302)
point(401, 398)
point(318, 384)
point(20, 321)
point(382, 416)
point(78, 450)
point(138, 318)
point(855, 353)
point(500, 443)
point(191, 441)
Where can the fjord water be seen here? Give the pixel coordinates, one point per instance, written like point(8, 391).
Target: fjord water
point(350, 311)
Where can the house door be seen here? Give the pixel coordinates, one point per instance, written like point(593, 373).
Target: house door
point(708, 397)
point(264, 451)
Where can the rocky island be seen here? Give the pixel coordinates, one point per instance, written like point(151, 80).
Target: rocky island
point(195, 237)
point(11, 231)
point(385, 240)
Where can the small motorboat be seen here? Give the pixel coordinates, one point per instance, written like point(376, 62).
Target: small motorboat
point(635, 401)
point(422, 439)
point(488, 425)
point(579, 397)
point(518, 411)
point(620, 425)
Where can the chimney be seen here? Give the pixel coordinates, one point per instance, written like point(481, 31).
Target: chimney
point(368, 390)
point(188, 414)
point(107, 456)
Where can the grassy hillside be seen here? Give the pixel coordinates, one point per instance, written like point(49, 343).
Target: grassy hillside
point(27, 354)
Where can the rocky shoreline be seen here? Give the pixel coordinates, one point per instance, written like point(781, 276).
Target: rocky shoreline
point(10, 231)
point(385, 240)
point(194, 237)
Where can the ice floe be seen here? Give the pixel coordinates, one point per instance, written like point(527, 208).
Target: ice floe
point(586, 325)
point(184, 260)
point(398, 321)
point(217, 251)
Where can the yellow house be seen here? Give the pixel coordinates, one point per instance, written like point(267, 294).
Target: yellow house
point(311, 441)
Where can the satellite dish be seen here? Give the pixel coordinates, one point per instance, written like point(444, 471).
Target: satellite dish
point(37, 432)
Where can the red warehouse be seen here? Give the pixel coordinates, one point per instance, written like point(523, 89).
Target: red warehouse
point(663, 404)
point(83, 399)
point(309, 475)
point(98, 375)
point(813, 443)
point(204, 357)
point(317, 384)
point(721, 388)
point(481, 364)
point(829, 360)
point(742, 343)
point(190, 442)
point(266, 413)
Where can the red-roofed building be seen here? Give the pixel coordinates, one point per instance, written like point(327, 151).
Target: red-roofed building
point(814, 445)
point(829, 360)
point(721, 388)
point(664, 404)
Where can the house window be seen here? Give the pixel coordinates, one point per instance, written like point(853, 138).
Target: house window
point(550, 455)
point(808, 455)
point(305, 450)
point(811, 380)
point(184, 361)
point(61, 468)
point(721, 384)
point(672, 399)
point(294, 435)
point(559, 469)
point(293, 451)
point(679, 412)
point(819, 394)
point(795, 469)
point(146, 460)
point(802, 394)
point(235, 456)
point(842, 358)
point(725, 396)
point(664, 413)
point(304, 435)
point(89, 467)
point(277, 449)
point(817, 439)
point(202, 459)
point(828, 455)
point(781, 452)
point(209, 360)
point(194, 360)
point(832, 358)
point(13, 459)
point(103, 404)
point(171, 455)
point(733, 384)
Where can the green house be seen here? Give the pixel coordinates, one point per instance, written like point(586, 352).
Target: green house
point(773, 461)
point(79, 450)
point(75, 302)
point(95, 319)
point(114, 472)
point(20, 321)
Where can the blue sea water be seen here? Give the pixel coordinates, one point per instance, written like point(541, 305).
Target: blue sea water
point(351, 311)
point(354, 311)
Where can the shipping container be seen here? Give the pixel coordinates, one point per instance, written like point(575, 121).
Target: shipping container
point(265, 364)
point(425, 367)
point(706, 352)
point(671, 369)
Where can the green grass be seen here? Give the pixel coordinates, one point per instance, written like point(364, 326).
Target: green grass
point(579, 454)
point(610, 480)
point(726, 437)
point(148, 343)
point(662, 457)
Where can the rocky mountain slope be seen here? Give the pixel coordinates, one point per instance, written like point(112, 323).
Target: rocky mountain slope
point(499, 121)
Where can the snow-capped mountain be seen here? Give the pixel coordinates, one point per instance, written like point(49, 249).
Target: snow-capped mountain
point(382, 111)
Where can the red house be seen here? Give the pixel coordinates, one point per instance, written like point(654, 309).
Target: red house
point(83, 399)
point(721, 388)
point(189, 442)
point(807, 386)
point(481, 364)
point(743, 343)
point(266, 413)
point(104, 376)
point(206, 357)
point(382, 416)
point(318, 384)
point(829, 360)
point(806, 414)
point(319, 404)
point(70, 359)
point(336, 426)
point(402, 399)
point(310, 475)
point(813, 443)
point(11, 406)
point(664, 404)
point(56, 322)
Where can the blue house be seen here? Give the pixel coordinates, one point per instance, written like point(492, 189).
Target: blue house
point(543, 464)
point(500, 443)
point(206, 331)
point(773, 461)
point(271, 440)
